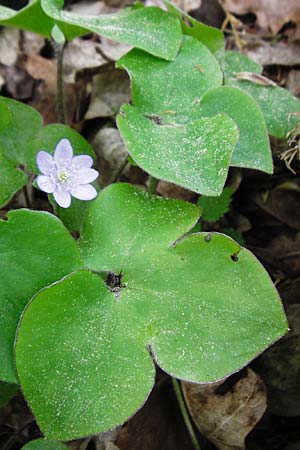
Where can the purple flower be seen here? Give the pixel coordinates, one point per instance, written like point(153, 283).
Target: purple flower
point(65, 175)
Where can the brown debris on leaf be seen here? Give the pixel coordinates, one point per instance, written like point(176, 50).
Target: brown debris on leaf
point(271, 14)
point(226, 418)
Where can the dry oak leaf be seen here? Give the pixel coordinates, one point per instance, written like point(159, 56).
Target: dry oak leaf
point(271, 14)
point(226, 418)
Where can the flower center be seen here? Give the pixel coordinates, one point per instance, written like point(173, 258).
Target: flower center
point(63, 177)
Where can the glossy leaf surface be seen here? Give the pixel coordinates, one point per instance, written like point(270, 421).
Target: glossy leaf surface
point(195, 155)
point(280, 108)
point(194, 302)
point(35, 250)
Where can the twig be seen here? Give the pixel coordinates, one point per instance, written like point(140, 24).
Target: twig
point(185, 413)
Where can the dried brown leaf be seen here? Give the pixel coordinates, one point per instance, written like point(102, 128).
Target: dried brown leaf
point(227, 418)
point(109, 91)
point(254, 78)
point(81, 55)
point(271, 14)
point(281, 53)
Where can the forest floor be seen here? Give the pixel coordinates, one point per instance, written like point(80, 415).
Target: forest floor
point(261, 404)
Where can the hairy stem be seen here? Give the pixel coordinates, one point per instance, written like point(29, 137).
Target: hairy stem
point(153, 182)
point(185, 414)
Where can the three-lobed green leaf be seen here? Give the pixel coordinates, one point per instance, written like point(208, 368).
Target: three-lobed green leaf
point(195, 155)
point(82, 349)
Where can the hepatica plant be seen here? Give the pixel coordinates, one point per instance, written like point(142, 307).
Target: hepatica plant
point(84, 321)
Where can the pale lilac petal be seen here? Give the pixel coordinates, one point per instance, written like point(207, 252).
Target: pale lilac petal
point(83, 161)
point(86, 176)
point(84, 192)
point(63, 151)
point(46, 184)
point(45, 162)
point(62, 198)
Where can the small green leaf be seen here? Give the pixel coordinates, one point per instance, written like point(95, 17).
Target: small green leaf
point(214, 208)
point(150, 29)
point(280, 108)
point(31, 18)
point(172, 90)
point(212, 37)
point(195, 155)
point(201, 305)
point(35, 250)
point(253, 148)
point(7, 391)
point(44, 444)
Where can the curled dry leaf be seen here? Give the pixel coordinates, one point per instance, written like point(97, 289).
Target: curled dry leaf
point(255, 78)
point(281, 53)
point(113, 50)
point(111, 151)
point(226, 418)
point(81, 55)
point(109, 91)
point(270, 13)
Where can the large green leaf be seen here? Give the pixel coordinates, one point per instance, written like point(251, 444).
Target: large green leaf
point(35, 250)
point(212, 37)
point(44, 444)
point(201, 305)
point(253, 147)
point(195, 155)
point(150, 29)
point(280, 108)
point(31, 18)
point(172, 90)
